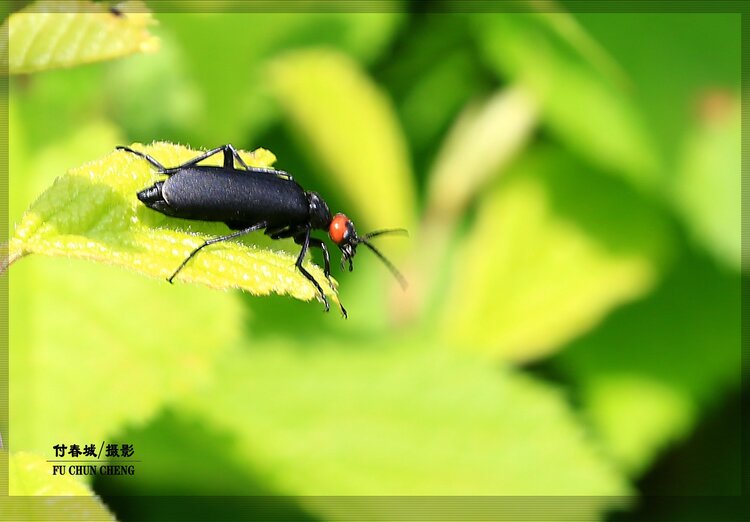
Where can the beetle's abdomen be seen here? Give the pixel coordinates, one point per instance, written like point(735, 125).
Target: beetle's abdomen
point(152, 198)
point(214, 194)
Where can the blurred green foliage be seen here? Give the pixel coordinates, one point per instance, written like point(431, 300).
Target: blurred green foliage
point(593, 234)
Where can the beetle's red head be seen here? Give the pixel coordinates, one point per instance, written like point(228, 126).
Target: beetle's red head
point(342, 232)
point(341, 229)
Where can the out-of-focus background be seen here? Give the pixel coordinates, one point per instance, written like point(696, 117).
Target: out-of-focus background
point(571, 185)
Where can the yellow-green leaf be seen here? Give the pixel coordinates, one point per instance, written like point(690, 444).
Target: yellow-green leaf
point(485, 139)
point(553, 249)
point(708, 190)
point(30, 475)
point(93, 213)
point(47, 35)
point(350, 127)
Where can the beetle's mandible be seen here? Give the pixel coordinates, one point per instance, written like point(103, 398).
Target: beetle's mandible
point(247, 199)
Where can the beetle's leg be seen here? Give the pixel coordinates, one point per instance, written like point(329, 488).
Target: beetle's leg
point(305, 244)
point(242, 232)
point(229, 164)
point(162, 168)
point(314, 242)
point(228, 151)
point(281, 232)
point(231, 154)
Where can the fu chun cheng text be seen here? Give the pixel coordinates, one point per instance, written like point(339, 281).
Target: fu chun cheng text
point(89, 469)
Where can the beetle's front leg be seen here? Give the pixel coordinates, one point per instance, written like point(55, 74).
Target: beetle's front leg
point(314, 242)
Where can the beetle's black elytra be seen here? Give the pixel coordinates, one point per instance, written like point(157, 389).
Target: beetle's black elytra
point(247, 199)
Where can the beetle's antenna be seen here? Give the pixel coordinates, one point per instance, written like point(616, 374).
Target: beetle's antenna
point(393, 269)
point(400, 231)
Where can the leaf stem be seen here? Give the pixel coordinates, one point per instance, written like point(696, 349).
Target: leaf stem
point(8, 256)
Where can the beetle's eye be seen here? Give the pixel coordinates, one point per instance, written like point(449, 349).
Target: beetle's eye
point(339, 230)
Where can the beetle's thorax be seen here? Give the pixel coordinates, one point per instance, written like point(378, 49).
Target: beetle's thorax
point(320, 216)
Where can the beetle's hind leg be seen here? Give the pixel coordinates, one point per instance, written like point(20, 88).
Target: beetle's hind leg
point(162, 169)
point(230, 154)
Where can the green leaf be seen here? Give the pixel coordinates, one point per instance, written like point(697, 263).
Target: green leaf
point(47, 35)
point(396, 419)
point(485, 139)
point(554, 248)
point(36, 169)
point(648, 372)
point(30, 475)
point(708, 191)
point(590, 112)
point(487, 136)
point(93, 213)
point(349, 126)
point(94, 348)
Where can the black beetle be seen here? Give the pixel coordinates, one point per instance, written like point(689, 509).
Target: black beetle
point(247, 199)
